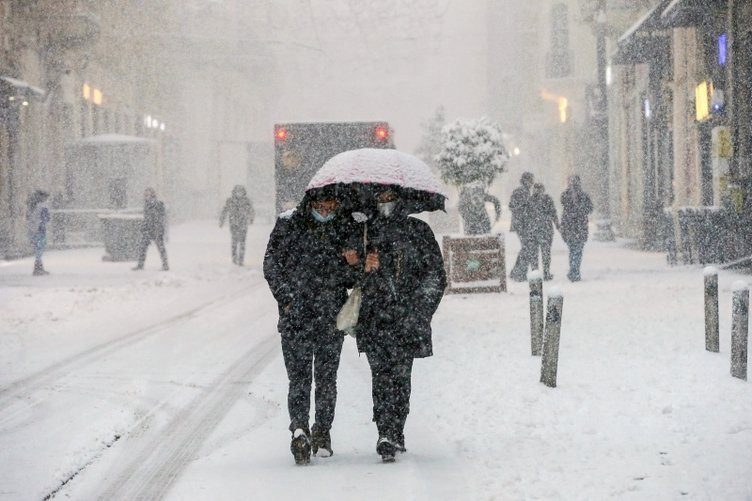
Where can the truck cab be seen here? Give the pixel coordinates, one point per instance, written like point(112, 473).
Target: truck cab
point(300, 149)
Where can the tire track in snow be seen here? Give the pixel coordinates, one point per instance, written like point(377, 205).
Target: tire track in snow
point(155, 468)
point(22, 387)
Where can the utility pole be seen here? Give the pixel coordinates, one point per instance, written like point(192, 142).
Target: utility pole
point(603, 231)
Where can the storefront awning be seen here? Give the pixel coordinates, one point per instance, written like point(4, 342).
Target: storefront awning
point(638, 43)
point(684, 13)
point(16, 87)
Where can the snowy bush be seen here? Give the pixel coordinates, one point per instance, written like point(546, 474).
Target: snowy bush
point(472, 150)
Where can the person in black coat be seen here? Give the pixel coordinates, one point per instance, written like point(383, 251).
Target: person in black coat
point(240, 211)
point(153, 228)
point(576, 206)
point(402, 285)
point(543, 219)
point(309, 276)
point(520, 224)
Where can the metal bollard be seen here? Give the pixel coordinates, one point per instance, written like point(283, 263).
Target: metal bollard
point(535, 279)
point(550, 360)
point(739, 330)
point(711, 308)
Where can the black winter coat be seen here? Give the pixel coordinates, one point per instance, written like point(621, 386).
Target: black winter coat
point(307, 273)
point(401, 296)
point(518, 207)
point(575, 207)
point(542, 216)
point(155, 215)
point(240, 212)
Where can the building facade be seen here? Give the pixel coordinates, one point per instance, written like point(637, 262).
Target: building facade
point(179, 74)
point(679, 115)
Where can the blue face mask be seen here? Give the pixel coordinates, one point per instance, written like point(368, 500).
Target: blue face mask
point(321, 219)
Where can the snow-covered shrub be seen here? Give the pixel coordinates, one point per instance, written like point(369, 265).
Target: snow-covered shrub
point(472, 150)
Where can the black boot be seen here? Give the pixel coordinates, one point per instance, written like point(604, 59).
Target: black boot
point(300, 446)
point(399, 442)
point(39, 269)
point(386, 449)
point(321, 440)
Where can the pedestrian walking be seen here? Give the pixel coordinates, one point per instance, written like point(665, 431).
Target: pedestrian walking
point(239, 210)
point(472, 208)
point(518, 205)
point(153, 228)
point(309, 276)
point(37, 217)
point(543, 220)
point(402, 286)
point(576, 206)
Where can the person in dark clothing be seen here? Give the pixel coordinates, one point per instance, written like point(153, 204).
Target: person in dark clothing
point(153, 228)
point(308, 275)
point(518, 205)
point(576, 206)
point(402, 285)
point(37, 217)
point(543, 219)
point(240, 211)
point(472, 207)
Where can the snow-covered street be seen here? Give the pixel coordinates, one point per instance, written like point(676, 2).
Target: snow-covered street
point(116, 384)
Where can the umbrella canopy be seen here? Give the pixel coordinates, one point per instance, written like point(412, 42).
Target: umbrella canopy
point(368, 168)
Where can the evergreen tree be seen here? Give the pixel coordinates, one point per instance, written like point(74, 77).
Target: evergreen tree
point(472, 150)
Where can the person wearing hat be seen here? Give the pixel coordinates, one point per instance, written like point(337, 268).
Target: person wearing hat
point(240, 211)
point(308, 274)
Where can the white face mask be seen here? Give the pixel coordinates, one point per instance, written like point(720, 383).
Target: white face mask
point(386, 209)
point(321, 219)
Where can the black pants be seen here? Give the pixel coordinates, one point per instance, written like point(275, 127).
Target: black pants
point(238, 244)
point(307, 358)
point(391, 374)
point(525, 257)
point(575, 258)
point(159, 241)
point(541, 244)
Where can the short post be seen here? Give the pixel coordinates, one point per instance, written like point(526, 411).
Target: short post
point(711, 308)
point(550, 360)
point(739, 329)
point(535, 279)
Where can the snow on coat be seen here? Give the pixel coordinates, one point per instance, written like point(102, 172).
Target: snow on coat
point(306, 271)
point(401, 296)
point(541, 212)
point(576, 206)
point(239, 210)
point(36, 222)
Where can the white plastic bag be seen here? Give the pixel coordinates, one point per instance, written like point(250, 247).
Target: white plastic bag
point(347, 318)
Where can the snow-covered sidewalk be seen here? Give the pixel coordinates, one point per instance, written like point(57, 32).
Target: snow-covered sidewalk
point(641, 410)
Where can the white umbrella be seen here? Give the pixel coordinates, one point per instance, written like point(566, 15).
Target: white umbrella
point(371, 167)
